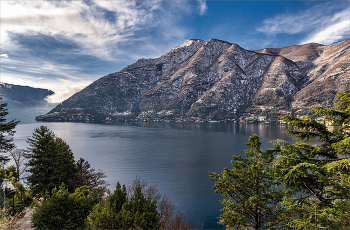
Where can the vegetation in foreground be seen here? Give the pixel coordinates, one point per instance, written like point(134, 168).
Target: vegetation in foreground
point(290, 186)
point(72, 194)
point(307, 186)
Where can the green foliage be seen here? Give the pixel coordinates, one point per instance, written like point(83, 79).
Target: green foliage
point(9, 173)
point(119, 212)
point(118, 198)
point(6, 144)
point(105, 214)
point(139, 212)
point(317, 175)
point(251, 195)
point(51, 161)
point(17, 198)
point(63, 210)
point(301, 214)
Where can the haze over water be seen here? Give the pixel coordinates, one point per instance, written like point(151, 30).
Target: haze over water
point(175, 156)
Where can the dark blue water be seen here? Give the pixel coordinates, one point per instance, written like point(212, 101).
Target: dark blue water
point(176, 157)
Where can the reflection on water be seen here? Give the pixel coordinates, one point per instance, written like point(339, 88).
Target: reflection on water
point(175, 156)
point(27, 115)
point(268, 131)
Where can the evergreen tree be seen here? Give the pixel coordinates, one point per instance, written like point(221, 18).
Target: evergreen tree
point(119, 212)
point(139, 212)
point(251, 195)
point(51, 162)
point(318, 175)
point(105, 215)
point(6, 144)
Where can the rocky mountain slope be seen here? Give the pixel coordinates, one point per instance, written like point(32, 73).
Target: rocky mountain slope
point(215, 80)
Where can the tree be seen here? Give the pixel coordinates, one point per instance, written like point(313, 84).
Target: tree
point(19, 157)
point(136, 207)
point(51, 162)
point(119, 212)
point(139, 212)
point(105, 214)
point(85, 175)
point(169, 218)
point(9, 174)
point(63, 210)
point(251, 195)
point(6, 144)
point(318, 175)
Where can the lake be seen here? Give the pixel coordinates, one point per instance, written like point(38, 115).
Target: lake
point(175, 156)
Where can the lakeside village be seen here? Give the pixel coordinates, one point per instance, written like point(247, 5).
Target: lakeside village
point(163, 116)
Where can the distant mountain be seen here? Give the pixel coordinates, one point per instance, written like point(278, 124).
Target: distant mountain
point(24, 102)
point(23, 96)
point(215, 80)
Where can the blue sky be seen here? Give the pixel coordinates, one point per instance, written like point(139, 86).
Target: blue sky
point(66, 45)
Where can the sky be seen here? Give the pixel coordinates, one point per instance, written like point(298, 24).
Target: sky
point(66, 45)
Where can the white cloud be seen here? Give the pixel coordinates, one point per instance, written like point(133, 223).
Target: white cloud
point(318, 23)
point(65, 91)
point(64, 80)
point(85, 25)
point(63, 88)
point(4, 56)
point(202, 7)
point(112, 31)
point(337, 30)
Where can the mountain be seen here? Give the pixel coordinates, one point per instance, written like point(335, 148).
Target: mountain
point(23, 96)
point(215, 80)
point(24, 102)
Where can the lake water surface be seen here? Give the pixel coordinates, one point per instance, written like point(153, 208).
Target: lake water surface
point(175, 156)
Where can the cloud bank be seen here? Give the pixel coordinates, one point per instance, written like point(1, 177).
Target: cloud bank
point(61, 45)
point(64, 80)
point(97, 28)
point(65, 91)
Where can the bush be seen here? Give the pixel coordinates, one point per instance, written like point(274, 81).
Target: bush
point(120, 212)
point(65, 211)
point(138, 207)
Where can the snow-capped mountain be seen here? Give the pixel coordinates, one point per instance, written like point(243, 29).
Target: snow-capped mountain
point(217, 80)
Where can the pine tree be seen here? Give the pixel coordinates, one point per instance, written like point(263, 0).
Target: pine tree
point(121, 212)
point(139, 212)
point(105, 215)
point(251, 195)
point(51, 162)
point(6, 144)
point(318, 175)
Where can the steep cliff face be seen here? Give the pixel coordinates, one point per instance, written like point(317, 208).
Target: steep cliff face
point(330, 75)
point(218, 80)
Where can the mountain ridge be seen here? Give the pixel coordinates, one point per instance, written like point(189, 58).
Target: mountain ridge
point(24, 103)
point(215, 80)
point(23, 96)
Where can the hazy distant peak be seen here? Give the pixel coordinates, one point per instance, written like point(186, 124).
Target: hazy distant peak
point(20, 96)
